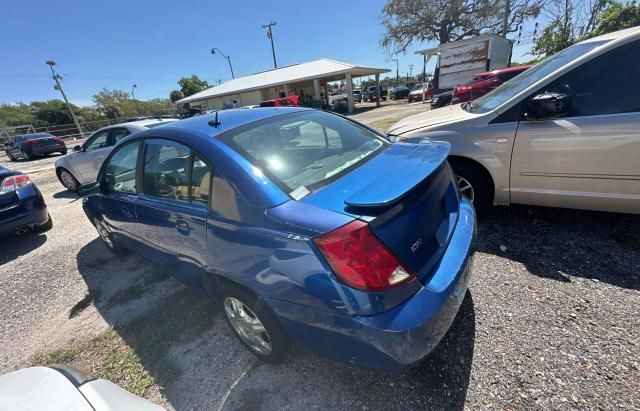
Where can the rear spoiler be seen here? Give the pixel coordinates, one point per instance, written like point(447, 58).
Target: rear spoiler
point(406, 167)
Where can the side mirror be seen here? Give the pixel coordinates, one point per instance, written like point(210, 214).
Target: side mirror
point(547, 105)
point(77, 148)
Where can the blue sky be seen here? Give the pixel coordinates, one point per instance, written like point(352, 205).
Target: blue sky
point(117, 43)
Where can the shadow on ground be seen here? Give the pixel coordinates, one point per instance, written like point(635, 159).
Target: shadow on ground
point(187, 347)
point(13, 246)
point(560, 243)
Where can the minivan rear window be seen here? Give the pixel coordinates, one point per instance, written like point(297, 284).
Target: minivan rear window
point(306, 150)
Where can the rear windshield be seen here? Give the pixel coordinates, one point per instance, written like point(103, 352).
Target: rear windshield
point(305, 151)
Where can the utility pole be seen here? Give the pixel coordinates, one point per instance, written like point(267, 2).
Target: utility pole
point(58, 86)
point(270, 36)
point(411, 71)
point(213, 51)
point(397, 73)
point(505, 18)
point(134, 98)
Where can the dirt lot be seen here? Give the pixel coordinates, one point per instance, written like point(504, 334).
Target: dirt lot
point(551, 321)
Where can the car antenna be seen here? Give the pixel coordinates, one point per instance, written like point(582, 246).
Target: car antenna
point(215, 122)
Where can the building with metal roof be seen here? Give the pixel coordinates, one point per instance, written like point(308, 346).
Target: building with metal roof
point(306, 80)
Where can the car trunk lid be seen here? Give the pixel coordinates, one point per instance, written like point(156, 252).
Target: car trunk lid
point(406, 194)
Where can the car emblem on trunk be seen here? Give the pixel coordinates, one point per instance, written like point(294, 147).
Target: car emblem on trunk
point(416, 245)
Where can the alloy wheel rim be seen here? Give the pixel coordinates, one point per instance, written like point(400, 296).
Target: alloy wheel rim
point(67, 180)
point(247, 325)
point(465, 188)
point(104, 234)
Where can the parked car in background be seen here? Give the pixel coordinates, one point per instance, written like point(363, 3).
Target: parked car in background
point(400, 92)
point(22, 207)
point(289, 101)
point(64, 388)
point(336, 96)
point(564, 133)
point(357, 96)
point(441, 99)
point(30, 146)
point(420, 90)
point(279, 216)
point(371, 95)
point(482, 83)
point(81, 167)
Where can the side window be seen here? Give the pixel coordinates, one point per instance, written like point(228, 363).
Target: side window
point(98, 140)
point(120, 172)
point(200, 180)
point(118, 134)
point(607, 84)
point(166, 164)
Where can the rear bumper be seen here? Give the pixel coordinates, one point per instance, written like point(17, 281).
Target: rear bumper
point(398, 338)
point(30, 211)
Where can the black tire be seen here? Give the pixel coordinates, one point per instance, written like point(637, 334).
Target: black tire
point(63, 153)
point(107, 239)
point(479, 180)
point(275, 333)
point(72, 184)
point(10, 157)
point(48, 225)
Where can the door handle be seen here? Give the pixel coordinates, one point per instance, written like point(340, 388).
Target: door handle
point(126, 212)
point(182, 225)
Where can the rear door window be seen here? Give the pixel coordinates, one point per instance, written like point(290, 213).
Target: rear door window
point(98, 140)
point(166, 164)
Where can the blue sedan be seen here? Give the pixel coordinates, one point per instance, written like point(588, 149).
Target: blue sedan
point(305, 227)
point(22, 207)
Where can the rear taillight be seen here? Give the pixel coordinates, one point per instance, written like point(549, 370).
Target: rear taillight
point(13, 183)
point(360, 260)
point(58, 140)
point(31, 142)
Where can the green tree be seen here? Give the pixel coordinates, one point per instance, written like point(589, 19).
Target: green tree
point(406, 21)
point(192, 85)
point(175, 95)
point(15, 114)
point(114, 103)
point(618, 16)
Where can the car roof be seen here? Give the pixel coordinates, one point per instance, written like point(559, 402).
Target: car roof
point(504, 70)
point(615, 35)
point(229, 119)
point(139, 124)
point(36, 135)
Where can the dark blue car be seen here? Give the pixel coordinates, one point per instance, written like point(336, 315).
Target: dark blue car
point(22, 207)
point(306, 227)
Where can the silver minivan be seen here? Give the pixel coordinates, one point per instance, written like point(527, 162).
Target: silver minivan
point(565, 133)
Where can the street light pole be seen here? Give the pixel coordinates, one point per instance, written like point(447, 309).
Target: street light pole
point(270, 36)
point(134, 98)
point(58, 86)
point(397, 73)
point(213, 51)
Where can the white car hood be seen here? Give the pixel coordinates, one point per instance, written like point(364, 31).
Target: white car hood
point(448, 114)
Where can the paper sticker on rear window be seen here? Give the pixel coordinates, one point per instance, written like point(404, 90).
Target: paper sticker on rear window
point(299, 193)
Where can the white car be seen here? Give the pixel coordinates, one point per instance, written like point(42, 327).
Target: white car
point(564, 133)
point(81, 167)
point(62, 388)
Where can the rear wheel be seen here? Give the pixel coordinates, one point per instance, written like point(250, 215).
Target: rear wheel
point(473, 183)
point(10, 157)
point(254, 324)
point(69, 181)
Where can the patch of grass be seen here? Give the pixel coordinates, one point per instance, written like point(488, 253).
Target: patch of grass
point(383, 124)
point(63, 356)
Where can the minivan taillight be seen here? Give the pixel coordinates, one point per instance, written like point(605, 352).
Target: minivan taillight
point(360, 260)
point(13, 183)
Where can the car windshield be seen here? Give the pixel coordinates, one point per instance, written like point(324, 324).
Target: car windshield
point(304, 151)
point(511, 88)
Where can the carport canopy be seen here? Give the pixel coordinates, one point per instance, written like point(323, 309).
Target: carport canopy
point(324, 69)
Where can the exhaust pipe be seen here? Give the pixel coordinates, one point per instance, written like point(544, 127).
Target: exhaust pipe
point(24, 230)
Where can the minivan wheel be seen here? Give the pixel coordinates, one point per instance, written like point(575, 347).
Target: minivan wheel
point(107, 239)
point(473, 183)
point(68, 180)
point(254, 324)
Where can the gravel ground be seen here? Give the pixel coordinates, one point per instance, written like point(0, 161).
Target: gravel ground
point(551, 320)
